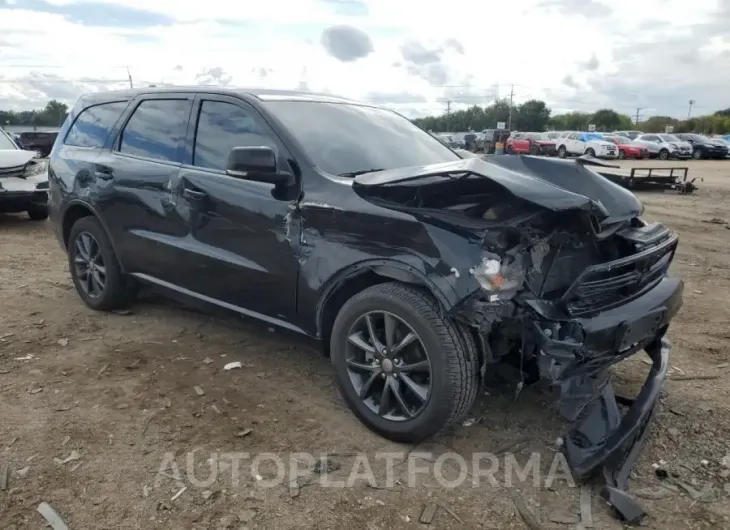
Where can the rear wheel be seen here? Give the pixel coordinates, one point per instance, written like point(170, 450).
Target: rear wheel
point(622, 154)
point(510, 150)
point(404, 370)
point(534, 150)
point(94, 267)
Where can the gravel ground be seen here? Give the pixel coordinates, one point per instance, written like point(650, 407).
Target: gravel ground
point(99, 411)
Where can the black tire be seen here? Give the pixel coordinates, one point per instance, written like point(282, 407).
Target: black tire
point(562, 152)
point(664, 154)
point(697, 154)
point(534, 150)
point(590, 152)
point(622, 154)
point(452, 353)
point(38, 213)
point(116, 292)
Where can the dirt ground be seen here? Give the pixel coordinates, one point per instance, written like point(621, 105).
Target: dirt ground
point(118, 391)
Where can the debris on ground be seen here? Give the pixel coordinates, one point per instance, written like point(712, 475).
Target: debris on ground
point(182, 490)
point(34, 387)
point(428, 513)
point(586, 512)
point(208, 360)
point(527, 516)
point(70, 458)
point(651, 493)
point(199, 390)
point(715, 221)
point(62, 342)
point(244, 433)
point(231, 366)
point(4, 470)
point(325, 465)
point(22, 473)
point(50, 515)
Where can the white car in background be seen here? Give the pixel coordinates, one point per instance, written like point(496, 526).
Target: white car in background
point(585, 143)
point(23, 180)
point(665, 146)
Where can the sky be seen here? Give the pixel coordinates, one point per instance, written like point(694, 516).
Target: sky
point(410, 55)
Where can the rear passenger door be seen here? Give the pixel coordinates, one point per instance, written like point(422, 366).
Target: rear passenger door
point(239, 248)
point(139, 167)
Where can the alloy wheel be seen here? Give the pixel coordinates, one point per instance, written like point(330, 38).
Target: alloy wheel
point(89, 265)
point(388, 366)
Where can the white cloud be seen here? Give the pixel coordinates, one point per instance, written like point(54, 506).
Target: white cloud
point(575, 54)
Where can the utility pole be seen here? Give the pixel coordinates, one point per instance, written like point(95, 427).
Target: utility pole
point(448, 114)
point(689, 112)
point(129, 74)
point(511, 96)
point(636, 121)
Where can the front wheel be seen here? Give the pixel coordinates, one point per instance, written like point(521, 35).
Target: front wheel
point(697, 154)
point(534, 150)
point(590, 152)
point(562, 152)
point(622, 154)
point(94, 267)
point(38, 213)
point(404, 370)
point(664, 154)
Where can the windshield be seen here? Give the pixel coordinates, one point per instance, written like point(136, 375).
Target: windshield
point(594, 136)
point(343, 138)
point(669, 138)
point(6, 142)
point(697, 137)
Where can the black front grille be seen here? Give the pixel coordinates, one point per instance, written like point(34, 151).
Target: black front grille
point(607, 285)
point(17, 171)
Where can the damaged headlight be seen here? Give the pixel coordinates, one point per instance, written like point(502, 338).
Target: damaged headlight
point(35, 167)
point(500, 277)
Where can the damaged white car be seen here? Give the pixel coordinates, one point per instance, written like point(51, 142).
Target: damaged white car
point(23, 180)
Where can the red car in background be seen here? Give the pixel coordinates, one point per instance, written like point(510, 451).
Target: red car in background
point(530, 142)
point(627, 148)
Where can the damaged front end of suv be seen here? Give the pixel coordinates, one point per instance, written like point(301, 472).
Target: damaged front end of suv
point(561, 278)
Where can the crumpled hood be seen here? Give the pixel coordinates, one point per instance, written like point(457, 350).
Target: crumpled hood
point(553, 184)
point(15, 157)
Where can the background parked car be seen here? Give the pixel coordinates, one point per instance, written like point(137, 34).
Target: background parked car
point(704, 147)
point(627, 148)
point(469, 140)
point(449, 140)
point(585, 143)
point(554, 135)
point(629, 134)
point(665, 146)
point(492, 137)
point(533, 143)
point(41, 142)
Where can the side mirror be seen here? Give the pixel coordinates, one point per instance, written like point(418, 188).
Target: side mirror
point(257, 164)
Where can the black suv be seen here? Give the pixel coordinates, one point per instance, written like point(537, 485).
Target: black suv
point(416, 268)
point(704, 147)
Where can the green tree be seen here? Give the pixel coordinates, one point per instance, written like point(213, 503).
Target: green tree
point(532, 115)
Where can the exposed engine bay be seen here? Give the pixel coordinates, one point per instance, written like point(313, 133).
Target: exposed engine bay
point(571, 284)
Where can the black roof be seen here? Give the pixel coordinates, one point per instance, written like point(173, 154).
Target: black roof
point(261, 94)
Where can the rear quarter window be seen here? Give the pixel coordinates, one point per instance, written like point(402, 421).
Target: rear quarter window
point(92, 126)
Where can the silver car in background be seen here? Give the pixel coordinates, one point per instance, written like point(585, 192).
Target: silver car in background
point(665, 146)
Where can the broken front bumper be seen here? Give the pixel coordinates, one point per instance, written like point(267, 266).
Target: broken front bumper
point(575, 356)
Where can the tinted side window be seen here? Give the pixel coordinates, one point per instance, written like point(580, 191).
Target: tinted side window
point(223, 126)
point(92, 126)
point(156, 129)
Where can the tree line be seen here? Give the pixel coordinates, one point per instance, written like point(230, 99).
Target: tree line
point(52, 115)
point(534, 115)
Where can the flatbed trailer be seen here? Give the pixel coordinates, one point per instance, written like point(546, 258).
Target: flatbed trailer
point(645, 178)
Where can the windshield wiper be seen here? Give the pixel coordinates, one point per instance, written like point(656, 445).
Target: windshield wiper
point(360, 172)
